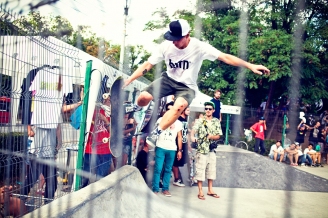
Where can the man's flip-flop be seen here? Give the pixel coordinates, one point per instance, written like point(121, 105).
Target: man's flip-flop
point(213, 195)
point(201, 197)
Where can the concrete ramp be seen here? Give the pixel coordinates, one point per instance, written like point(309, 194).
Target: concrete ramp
point(121, 194)
point(238, 168)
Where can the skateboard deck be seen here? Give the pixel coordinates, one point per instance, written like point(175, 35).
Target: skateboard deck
point(95, 86)
point(117, 118)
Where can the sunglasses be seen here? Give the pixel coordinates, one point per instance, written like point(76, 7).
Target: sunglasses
point(207, 108)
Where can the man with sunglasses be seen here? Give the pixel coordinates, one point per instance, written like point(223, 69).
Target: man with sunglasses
point(183, 56)
point(208, 130)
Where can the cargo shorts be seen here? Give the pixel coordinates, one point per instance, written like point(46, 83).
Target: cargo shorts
point(205, 166)
point(165, 86)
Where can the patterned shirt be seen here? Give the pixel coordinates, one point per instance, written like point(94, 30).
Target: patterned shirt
point(213, 128)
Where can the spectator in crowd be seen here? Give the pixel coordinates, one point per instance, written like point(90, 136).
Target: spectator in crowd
point(216, 100)
point(142, 159)
point(318, 155)
point(300, 134)
point(50, 86)
point(314, 132)
point(12, 206)
point(277, 152)
point(165, 152)
point(292, 154)
point(321, 139)
point(141, 142)
point(97, 158)
point(184, 154)
point(302, 158)
point(259, 128)
point(129, 129)
point(262, 108)
point(310, 152)
point(208, 129)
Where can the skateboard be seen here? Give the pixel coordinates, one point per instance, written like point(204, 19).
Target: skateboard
point(95, 88)
point(117, 117)
point(151, 113)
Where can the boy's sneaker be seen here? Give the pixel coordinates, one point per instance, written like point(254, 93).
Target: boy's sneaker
point(303, 165)
point(166, 193)
point(178, 183)
point(151, 140)
point(136, 108)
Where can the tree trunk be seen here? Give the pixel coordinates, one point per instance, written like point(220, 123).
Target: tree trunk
point(268, 103)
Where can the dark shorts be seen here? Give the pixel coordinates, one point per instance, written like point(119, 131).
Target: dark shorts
point(184, 157)
point(165, 86)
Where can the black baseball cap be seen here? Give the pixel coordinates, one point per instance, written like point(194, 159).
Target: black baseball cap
point(178, 29)
point(262, 118)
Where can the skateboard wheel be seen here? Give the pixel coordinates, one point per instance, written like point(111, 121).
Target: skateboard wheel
point(105, 140)
point(105, 96)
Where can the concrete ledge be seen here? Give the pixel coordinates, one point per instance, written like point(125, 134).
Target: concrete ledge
point(121, 194)
point(237, 168)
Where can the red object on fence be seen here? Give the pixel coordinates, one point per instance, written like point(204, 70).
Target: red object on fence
point(4, 109)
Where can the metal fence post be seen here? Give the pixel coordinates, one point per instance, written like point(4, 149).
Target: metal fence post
point(83, 125)
point(227, 130)
point(284, 130)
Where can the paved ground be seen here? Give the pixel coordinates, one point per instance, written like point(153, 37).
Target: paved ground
point(251, 202)
point(239, 202)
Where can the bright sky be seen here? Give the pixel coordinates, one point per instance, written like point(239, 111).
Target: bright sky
point(106, 17)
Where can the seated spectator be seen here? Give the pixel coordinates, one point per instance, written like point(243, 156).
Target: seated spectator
point(318, 155)
point(276, 151)
point(292, 154)
point(302, 158)
point(16, 205)
point(310, 152)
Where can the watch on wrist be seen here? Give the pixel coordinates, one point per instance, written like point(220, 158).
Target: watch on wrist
point(180, 150)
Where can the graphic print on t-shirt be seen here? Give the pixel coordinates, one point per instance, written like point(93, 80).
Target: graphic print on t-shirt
point(261, 128)
point(167, 139)
point(183, 64)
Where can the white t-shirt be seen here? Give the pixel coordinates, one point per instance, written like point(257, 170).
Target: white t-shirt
point(306, 151)
point(48, 100)
point(183, 65)
point(263, 104)
point(300, 152)
point(166, 139)
point(274, 147)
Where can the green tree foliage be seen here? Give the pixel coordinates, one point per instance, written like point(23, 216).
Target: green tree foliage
point(83, 38)
point(36, 24)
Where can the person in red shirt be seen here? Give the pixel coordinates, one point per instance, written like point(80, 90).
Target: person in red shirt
point(97, 157)
point(258, 128)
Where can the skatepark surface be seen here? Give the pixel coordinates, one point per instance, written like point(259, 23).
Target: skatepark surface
point(125, 194)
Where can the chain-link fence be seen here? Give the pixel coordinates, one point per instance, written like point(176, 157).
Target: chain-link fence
point(43, 90)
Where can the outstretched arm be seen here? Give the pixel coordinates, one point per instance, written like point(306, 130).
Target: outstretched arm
point(234, 61)
point(142, 70)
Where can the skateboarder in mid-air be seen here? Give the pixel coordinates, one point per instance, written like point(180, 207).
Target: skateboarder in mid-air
point(183, 56)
